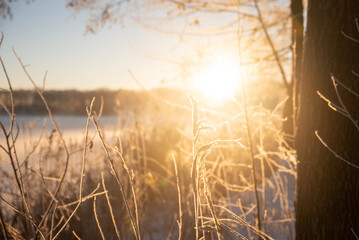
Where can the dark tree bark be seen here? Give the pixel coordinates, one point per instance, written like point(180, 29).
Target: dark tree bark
point(289, 113)
point(327, 204)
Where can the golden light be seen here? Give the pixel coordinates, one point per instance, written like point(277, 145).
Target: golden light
point(219, 80)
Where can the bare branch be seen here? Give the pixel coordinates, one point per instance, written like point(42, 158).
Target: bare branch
point(96, 218)
point(334, 153)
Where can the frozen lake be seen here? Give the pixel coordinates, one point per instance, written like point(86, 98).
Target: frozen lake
point(72, 127)
point(64, 122)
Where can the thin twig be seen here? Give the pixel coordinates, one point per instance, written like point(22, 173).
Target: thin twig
point(96, 218)
point(253, 167)
point(132, 185)
point(11, 149)
point(76, 236)
point(82, 173)
point(85, 198)
point(119, 182)
point(47, 212)
point(269, 39)
point(110, 207)
point(343, 105)
point(3, 226)
point(335, 154)
point(24, 215)
point(179, 200)
point(356, 236)
point(260, 233)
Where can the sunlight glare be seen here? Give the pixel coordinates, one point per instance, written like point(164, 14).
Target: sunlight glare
point(219, 80)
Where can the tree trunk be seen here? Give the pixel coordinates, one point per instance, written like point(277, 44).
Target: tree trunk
point(297, 44)
point(327, 204)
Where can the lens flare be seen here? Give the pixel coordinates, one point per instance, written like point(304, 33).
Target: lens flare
point(219, 80)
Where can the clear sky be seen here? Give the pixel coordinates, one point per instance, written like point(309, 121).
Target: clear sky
point(47, 36)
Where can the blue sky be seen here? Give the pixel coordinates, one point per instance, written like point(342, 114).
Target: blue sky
point(47, 36)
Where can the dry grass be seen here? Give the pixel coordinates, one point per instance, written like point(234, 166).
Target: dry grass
point(201, 178)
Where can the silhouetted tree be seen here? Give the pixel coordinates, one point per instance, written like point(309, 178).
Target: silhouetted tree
point(289, 112)
point(328, 188)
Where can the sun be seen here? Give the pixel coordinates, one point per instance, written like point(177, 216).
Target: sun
point(219, 80)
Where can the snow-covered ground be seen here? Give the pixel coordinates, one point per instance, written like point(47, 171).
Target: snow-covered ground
point(277, 214)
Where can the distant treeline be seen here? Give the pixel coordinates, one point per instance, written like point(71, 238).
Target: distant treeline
point(74, 102)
